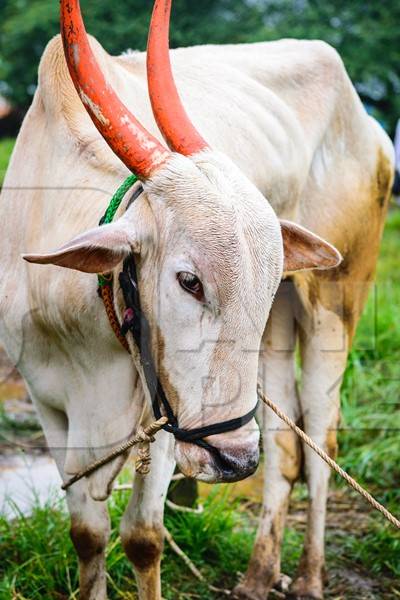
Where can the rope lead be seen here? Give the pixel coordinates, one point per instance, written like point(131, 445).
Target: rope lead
point(333, 465)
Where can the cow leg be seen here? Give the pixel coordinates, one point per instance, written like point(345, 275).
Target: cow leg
point(281, 447)
point(332, 303)
point(142, 524)
point(90, 531)
point(324, 346)
point(90, 527)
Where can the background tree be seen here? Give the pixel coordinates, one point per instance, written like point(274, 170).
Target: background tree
point(27, 25)
point(365, 32)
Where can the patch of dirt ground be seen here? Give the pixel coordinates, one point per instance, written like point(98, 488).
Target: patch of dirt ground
point(347, 515)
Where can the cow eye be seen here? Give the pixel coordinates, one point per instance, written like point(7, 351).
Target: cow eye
point(192, 284)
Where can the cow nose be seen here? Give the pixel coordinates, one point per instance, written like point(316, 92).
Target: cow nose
point(218, 464)
point(236, 463)
point(226, 457)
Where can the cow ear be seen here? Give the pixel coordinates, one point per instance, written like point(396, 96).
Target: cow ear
point(98, 250)
point(304, 250)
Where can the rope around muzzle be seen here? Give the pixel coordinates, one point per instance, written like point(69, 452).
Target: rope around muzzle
point(146, 436)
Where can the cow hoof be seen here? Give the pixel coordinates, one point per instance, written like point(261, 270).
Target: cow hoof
point(283, 584)
point(292, 596)
point(303, 590)
point(241, 592)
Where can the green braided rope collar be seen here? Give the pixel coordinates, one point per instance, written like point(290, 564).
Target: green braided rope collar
point(109, 215)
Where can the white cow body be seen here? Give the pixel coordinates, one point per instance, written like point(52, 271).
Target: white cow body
point(287, 115)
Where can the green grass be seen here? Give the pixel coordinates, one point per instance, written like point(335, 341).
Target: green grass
point(6, 146)
point(37, 558)
point(370, 395)
point(370, 440)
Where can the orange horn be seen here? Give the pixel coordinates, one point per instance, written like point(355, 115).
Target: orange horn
point(171, 117)
point(141, 152)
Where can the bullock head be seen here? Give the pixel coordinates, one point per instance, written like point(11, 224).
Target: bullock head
point(209, 249)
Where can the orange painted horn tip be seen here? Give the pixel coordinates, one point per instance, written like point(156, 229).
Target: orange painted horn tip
point(172, 119)
point(140, 151)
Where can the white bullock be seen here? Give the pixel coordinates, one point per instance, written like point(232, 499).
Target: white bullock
point(287, 137)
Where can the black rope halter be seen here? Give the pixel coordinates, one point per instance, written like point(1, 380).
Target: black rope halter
point(136, 322)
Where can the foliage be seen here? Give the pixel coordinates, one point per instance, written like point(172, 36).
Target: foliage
point(39, 562)
point(27, 26)
point(6, 146)
point(365, 33)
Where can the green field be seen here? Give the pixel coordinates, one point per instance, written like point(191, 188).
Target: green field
point(38, 561)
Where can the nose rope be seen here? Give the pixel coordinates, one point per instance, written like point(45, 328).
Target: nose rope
point(146, 436)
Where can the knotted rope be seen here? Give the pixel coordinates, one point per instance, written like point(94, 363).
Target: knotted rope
point(105, 281)
point(107, 295)
point(144, 436)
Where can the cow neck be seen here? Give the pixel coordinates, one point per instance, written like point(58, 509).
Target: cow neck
point(136, 323)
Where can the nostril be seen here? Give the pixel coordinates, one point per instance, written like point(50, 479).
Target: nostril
point(220, 462)
point(236, 465)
